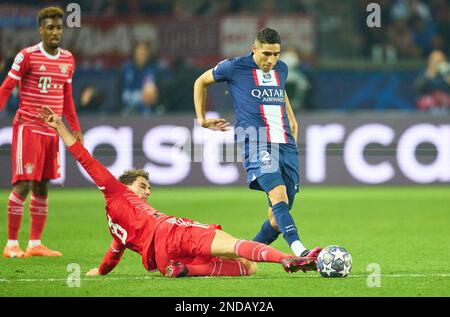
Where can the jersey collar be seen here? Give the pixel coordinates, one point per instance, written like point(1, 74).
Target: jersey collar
point(43, 51)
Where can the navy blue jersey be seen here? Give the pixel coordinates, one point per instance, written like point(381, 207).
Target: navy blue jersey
point(258, 97)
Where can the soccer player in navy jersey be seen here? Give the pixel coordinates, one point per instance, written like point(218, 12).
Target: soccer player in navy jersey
point(266, 129)
point(177, 247)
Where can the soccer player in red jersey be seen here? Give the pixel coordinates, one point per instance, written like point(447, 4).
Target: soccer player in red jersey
point(44, 73)
point(177, 247)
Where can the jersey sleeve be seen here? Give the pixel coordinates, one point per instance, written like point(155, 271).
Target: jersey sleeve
point(19, 68)
point(5, 91)
point(224, 70)
point(105, 181)
point(69, 105)
point(286, 71)
point(111, 258)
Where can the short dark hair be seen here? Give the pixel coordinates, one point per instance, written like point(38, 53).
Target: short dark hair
point(268, 36)
point(49, 13)
point(129, 177)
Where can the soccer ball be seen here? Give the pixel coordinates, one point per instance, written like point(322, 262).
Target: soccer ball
point(334, 261)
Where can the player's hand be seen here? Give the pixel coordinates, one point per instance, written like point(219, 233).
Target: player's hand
point(49, 117)
point(93, 272)
point(215, 124)
point(79, 136)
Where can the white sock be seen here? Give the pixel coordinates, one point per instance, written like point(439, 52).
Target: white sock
point(297, 247)
point(34, 243)
point(12, 243)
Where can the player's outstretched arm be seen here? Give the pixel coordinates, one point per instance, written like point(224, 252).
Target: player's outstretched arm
point(200, 93)
point(110, 260)
point(70, 113)
point(100, 174)
point(55, 122)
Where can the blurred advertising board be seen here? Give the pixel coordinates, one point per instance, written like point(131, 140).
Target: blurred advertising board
point(395, 149)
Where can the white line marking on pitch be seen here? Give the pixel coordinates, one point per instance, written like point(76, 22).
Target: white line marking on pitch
point(152, 277)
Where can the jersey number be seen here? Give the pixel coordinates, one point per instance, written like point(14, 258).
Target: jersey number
point(118, 231)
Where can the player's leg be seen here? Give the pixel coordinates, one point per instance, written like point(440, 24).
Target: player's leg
point(38, 211)
point(223, 267)
point(47, 169)
point(285, 221)
point(181, 238)
point(274, 179)
point(16, 203)
point(269, 164)
point(38, 216)
point(225, 245)
point(252, 162)
point(280, 212)
point(269, 231)
point(21, 186)
point(291, 180)
point(212, 266)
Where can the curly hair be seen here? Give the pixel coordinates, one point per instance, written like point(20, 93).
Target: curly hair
point(49, 13)
point(128, 177)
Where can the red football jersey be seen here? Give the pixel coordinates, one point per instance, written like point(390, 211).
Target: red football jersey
point(132, 222)
point(44, 80)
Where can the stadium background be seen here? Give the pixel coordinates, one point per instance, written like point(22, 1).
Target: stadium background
point(341, 72)
point(354, 91)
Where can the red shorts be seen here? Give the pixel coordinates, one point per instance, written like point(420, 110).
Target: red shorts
point(184, 240)
point(35, 154)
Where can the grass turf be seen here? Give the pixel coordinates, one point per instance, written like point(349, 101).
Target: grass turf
point(405, 230)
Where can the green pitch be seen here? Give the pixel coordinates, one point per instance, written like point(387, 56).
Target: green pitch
point(404, 230)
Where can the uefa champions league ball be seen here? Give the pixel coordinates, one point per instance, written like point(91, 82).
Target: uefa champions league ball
point(334, 261)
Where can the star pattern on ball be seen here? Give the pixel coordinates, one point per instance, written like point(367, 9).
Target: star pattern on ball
point(327, 268)
point(338, 254)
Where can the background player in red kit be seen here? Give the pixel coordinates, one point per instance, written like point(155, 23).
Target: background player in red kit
point(44, 72)
point(177, 247)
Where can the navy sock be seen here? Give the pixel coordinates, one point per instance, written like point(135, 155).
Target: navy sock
point(267, 234)
point(285, 222)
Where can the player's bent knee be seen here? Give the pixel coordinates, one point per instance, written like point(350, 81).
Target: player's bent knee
point(40, 188)
point(251, 266)
point(278, 194)
point(223, 244)
point(22, 188)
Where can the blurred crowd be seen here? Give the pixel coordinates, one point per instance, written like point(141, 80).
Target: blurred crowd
point(147, 85)
point(410, 29)
point(178, 8)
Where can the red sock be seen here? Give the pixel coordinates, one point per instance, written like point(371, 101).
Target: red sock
point(15, 212)
point(258, 252)
point(38, 215)
point(218, 267)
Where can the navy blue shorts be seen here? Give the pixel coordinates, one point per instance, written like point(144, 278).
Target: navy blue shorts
point(271, 166)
